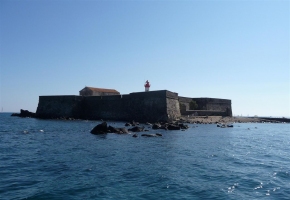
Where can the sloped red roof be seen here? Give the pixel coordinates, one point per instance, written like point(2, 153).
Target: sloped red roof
point(101, 90)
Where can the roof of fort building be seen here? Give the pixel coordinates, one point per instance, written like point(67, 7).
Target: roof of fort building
point(100, 90)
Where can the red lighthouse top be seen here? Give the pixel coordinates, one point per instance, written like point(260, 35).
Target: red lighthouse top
point(147, 85)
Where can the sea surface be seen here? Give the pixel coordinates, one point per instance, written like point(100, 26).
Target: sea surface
point(56, 159)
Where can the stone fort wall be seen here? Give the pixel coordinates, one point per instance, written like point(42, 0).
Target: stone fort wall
point(151, 106)
point(206, 106)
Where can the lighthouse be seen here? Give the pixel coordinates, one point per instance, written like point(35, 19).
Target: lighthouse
point(147, 86)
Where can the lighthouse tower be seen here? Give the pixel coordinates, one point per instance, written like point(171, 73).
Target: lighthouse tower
point(147, 86)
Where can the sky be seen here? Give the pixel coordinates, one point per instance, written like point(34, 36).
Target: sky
point(229, 49)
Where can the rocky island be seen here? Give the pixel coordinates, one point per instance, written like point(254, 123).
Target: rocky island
point(149, 106)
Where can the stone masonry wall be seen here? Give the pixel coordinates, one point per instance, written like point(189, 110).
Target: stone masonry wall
point(59, 106)
point(147, 105)
point(142, 106)
point(172, 102)
point(150, 106)
point(207, 106)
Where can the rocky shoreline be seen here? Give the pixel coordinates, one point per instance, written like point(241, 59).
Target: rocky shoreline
point(181, 124)
point(223, 120)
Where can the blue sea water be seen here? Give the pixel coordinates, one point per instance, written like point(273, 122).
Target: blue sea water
point(54, 159)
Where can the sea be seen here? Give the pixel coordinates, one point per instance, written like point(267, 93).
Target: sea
point(61, 159)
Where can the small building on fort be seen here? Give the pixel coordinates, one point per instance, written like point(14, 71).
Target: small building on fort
point(91, 91)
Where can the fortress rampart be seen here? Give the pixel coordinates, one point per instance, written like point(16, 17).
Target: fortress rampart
point(152, 106)
point(141, 106)
point(206, 106)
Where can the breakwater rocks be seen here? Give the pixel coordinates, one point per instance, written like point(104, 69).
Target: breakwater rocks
point(103, 128)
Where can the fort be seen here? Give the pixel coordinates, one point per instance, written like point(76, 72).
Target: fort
point(148, 106)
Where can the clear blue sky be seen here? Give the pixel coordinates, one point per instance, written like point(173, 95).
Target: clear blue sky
point(238, 50)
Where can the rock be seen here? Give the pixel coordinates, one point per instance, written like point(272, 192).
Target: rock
point(117, 130)
point(149, 135)
point(173, 127)
point(100, 128)
point(135, 135)
point(124, 130)
point(103, 128)
point(128, 124)
point(136, 129)
point(156, 126)
point(164, 126)
point(147, 123)
point(112, 129)
point(152, 135)
point(134, 123)
point(23, 113)
point(183, 126)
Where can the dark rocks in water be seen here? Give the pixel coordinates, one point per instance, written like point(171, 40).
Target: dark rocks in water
point(152, 135)
point(23, 113)
point(136, 129)
point(100, 128)
point(134, 123)
point(123, 130)
point(183, 126)
point(128, 124)
point(173, 127)
point(103, 128)
point(149, 135)
point(112, 129)
point(135, 135)
point(147, 123)
point(170, 126)
point(156, 126)
point(164, 126)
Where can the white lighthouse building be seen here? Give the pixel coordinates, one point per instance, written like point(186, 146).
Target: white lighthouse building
point(147, 86)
